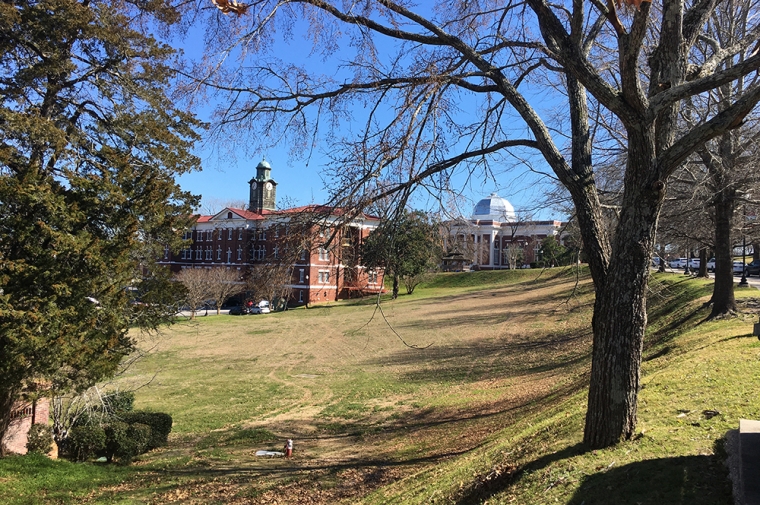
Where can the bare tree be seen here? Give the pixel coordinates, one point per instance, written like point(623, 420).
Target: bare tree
point(222, 284)
point(636, 66)
point(197, 287)
point(515, 255)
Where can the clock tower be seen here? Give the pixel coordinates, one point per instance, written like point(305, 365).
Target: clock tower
point(263, 189)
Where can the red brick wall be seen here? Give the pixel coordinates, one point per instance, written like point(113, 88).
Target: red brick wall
point(15, 438)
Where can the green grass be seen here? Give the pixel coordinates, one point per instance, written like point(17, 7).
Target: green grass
point(492, 410)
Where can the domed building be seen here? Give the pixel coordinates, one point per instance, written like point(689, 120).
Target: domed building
point(495, 237)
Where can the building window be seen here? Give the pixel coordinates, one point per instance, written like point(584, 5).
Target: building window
point(229, 255)
point(301, 276)
point(372, 277)
point(303, 254)
point(262, 234)
point(240, 234)
point(323, 254)
point(276, 252)
point(229, 233)
point(184, 254)
point(229, 215)
point(199, 253)
point(166, 252)
point(239, 253)
point(262, 252)
point(219, 253)
point(324, 277)
point(209, 253)
point(300, 295)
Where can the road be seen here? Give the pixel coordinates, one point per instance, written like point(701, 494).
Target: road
point(752, 281)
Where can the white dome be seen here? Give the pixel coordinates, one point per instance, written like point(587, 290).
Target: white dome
point(494, 208)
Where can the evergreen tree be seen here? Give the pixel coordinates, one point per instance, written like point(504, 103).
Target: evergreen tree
point(89, 149)
point(406, 247)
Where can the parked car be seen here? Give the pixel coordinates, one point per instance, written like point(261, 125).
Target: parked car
point(753, 268)
point(711, 265)
point(694, 263)
point(739, 267)
point(678, 263)
point(260, 308)
point(238, 311)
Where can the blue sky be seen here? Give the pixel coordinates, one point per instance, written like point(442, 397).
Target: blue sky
point(228, 168)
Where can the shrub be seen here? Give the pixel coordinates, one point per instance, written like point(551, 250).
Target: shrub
point(39, 439)
point(119, 402)
point(126, 441)
point(160, 425)
point(85, 441)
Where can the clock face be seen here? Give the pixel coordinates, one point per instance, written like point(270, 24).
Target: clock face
point(268, 186)
point(253, 185)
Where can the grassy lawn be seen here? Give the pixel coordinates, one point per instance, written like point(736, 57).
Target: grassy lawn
point(472, 389)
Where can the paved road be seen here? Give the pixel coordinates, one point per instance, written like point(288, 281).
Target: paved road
point(753, 281)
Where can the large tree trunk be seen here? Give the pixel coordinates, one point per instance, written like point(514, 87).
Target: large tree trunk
point(723, 301)
point(620, 308)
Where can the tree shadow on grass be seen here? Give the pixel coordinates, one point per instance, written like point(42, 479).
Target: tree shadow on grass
point(483, 359)
point(487, 487)
point(691, 480)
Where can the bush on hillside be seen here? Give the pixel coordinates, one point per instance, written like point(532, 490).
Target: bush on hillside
point(160, 425)
point(39, 439)
point(125, 442)
point(119, 402)
point(85, 441)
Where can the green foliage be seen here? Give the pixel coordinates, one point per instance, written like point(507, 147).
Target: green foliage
point(85, 441)
point(119, 402)
point(89, 149)
point(125, 441)
point(39, 439)
point(160, 425)
point(407, 247)
point(554, 254)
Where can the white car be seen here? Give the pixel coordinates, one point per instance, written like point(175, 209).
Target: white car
point(261, 308)
point(678, 263)
point(711, 265)
point(739, 267)
point(694, 263)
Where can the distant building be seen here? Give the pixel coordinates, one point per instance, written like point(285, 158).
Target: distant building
point(495, 238)
point(320, 245)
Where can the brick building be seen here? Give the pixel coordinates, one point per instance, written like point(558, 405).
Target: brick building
point(320, 245)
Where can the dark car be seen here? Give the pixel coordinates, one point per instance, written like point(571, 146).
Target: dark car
point(238, 311)
point(752, 268)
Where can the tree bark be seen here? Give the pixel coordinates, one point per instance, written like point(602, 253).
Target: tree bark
point(702, 272)
point(723, 301)
point(620, 307)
